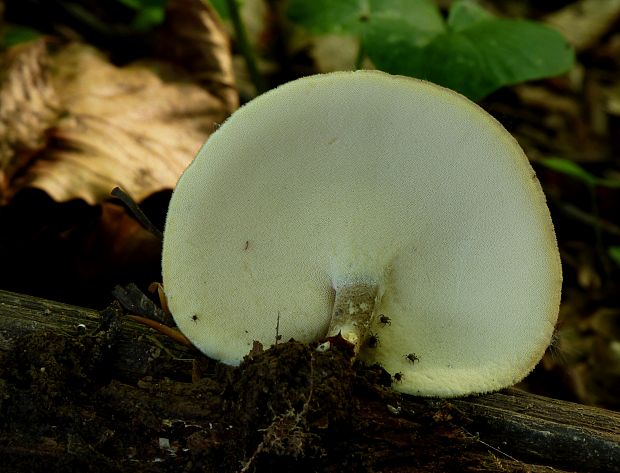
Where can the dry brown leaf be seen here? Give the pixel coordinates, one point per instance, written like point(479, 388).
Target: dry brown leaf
point(29, 105)
point(193, 38)
point(584, 22)
point(124, 127)
point(136, 127)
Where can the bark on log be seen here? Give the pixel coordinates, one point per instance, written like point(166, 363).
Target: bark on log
point(524, 432)
point(138, 346)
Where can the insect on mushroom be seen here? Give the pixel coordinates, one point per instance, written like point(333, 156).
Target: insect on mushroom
point(398, 377)
point(367, 194)
point(412, 357)
point(373, 341)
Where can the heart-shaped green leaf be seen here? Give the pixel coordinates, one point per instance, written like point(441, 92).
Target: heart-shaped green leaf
point(476, 54)
point(472, 52)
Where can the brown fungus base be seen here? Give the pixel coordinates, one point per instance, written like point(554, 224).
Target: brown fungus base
point(64, 408)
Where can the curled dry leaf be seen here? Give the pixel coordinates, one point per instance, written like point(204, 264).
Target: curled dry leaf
point(29, 106)
point(193, 38)
point(73, 126)
point(136, 127)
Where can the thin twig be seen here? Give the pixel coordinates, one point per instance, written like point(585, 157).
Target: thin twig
point(244, 46)
point(137, 212)
point(164, 329)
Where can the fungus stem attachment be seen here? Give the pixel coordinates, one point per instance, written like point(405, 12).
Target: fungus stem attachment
point(354, 311)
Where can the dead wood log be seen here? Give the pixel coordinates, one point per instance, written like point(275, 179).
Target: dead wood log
point(526, 431)
point(139, 348)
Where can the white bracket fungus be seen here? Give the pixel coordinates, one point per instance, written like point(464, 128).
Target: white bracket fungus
point(404, 198)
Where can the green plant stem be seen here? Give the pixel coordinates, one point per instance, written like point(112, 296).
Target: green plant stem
point(361, 55)
point(244, 46)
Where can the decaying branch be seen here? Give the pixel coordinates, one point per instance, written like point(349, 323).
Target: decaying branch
point(522, 431)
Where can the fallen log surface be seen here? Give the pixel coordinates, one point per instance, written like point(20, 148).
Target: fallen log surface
point(151, 404)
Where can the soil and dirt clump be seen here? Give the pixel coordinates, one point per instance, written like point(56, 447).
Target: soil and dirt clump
point(288, 408)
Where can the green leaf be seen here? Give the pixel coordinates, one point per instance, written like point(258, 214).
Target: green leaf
point(477, 54)
point(570, 168)
point(144, 4)
point(148, 18)
point(328, 16)
point(465, 15)
point(221, 7)
point(614, 253)
point(473, 52)
point(149, 13)
point(573, 169)
point(12, 35)
point(392, 30)
point(394, 26)
point(359, 16)
point(418, 16)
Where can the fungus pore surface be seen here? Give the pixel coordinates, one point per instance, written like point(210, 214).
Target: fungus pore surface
point(362, 177)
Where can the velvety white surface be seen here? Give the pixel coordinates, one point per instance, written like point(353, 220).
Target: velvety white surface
point(356, 175)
